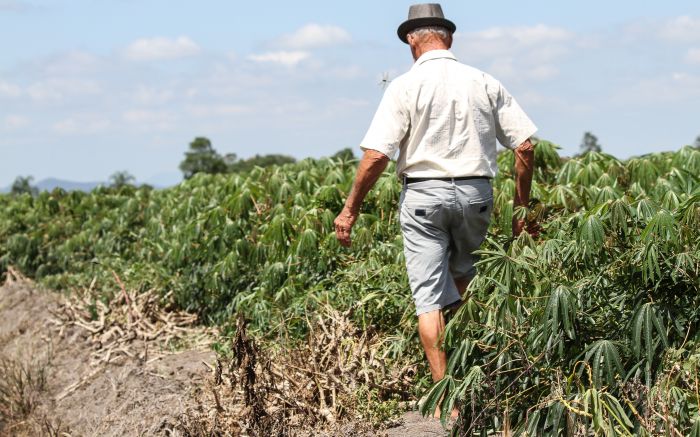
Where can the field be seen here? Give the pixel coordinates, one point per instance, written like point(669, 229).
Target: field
point(590, 328)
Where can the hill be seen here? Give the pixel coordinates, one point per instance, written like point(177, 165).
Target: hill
point(49, 184)
point(159, 181)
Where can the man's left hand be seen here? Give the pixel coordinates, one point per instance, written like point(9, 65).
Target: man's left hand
point(531, 227)
point(518, 226)
point(343, 225)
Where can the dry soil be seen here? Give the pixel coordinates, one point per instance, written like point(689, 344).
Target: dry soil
point(146, 394)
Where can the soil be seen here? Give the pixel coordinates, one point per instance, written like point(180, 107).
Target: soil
point(416, 425)
point(148, 393)
point(125, 397)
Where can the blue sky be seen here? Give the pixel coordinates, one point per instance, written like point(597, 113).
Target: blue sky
point(88, 88)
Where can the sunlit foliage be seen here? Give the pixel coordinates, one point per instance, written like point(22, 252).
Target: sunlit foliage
point(590, 328)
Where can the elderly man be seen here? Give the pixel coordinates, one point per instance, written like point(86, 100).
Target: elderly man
point(444, 118)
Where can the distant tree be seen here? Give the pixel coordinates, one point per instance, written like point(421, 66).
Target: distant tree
point(230, 159)
point(202, 158)
point(345, 154)
point(23, 185)
point(244, 165)
point(697, 142)
point(120, 179)
point(589, 143)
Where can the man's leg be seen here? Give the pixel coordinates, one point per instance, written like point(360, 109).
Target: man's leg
point(431, 325)
point(424, 213)
point(430, 328)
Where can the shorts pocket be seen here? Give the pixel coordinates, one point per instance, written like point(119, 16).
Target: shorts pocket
point(420, 212)
point(480, 209)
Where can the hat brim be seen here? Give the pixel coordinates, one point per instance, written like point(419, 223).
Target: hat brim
point(409, 25)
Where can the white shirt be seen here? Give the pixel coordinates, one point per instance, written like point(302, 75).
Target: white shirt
point(445, 117)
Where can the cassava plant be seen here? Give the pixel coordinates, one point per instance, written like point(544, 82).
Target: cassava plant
point(591, 328)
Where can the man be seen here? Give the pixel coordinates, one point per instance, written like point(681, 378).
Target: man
point(444, 118)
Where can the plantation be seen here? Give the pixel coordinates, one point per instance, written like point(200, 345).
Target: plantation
point(590, 328)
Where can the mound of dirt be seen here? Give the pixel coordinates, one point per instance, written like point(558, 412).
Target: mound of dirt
point(70, 392)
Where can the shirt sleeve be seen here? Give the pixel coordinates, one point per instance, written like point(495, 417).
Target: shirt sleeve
point(513, 126)
point(389, 125)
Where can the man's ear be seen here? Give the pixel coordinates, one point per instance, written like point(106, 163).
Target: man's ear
point(449, 41)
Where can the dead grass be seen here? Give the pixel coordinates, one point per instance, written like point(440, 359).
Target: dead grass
point(21, 384)
point(317, 386)
point(127, 326)
point(114, 365)
point(22, 381)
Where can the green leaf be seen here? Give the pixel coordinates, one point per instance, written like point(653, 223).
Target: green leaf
point(591, 232)
point(605, 362)
point(695, 429)
point(428, 404)
point(646, 323)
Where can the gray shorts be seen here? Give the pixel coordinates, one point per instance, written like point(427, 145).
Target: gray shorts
point(442, 223)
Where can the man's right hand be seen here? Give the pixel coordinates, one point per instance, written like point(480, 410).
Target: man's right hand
point(371, 167)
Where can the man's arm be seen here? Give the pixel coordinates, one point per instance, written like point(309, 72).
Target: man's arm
point(371, 167)
point(524, 169)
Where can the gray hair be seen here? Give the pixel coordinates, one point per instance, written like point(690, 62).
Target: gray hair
point(440, 31)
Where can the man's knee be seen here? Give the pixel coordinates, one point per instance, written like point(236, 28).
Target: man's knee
point(430, 325)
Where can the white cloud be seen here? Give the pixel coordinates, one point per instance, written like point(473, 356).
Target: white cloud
point(349, 72)
point(681, 29)
point(523, 35)
point(159, 48)
point(15, 121)
point(693, 56)
point(71, 63)
point(286, 58)
point(149, 119)
point(216, 110)
point(542, 72)
point(313, 36)
point(672, 88)
point(41, 91)
point(56, 89)
point(543, 41)
point(81, 125)
point(145, 95)
point(345, 105)
point(507, 68)
point(9, 89)
point(14, 5)
point(516, 53)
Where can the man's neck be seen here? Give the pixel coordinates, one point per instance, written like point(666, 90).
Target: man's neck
point(425, 48)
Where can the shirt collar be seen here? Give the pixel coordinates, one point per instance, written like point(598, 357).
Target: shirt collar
point(434, 54)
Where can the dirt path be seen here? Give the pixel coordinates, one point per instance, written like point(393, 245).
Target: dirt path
point(49, 369)
point(414, 425)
